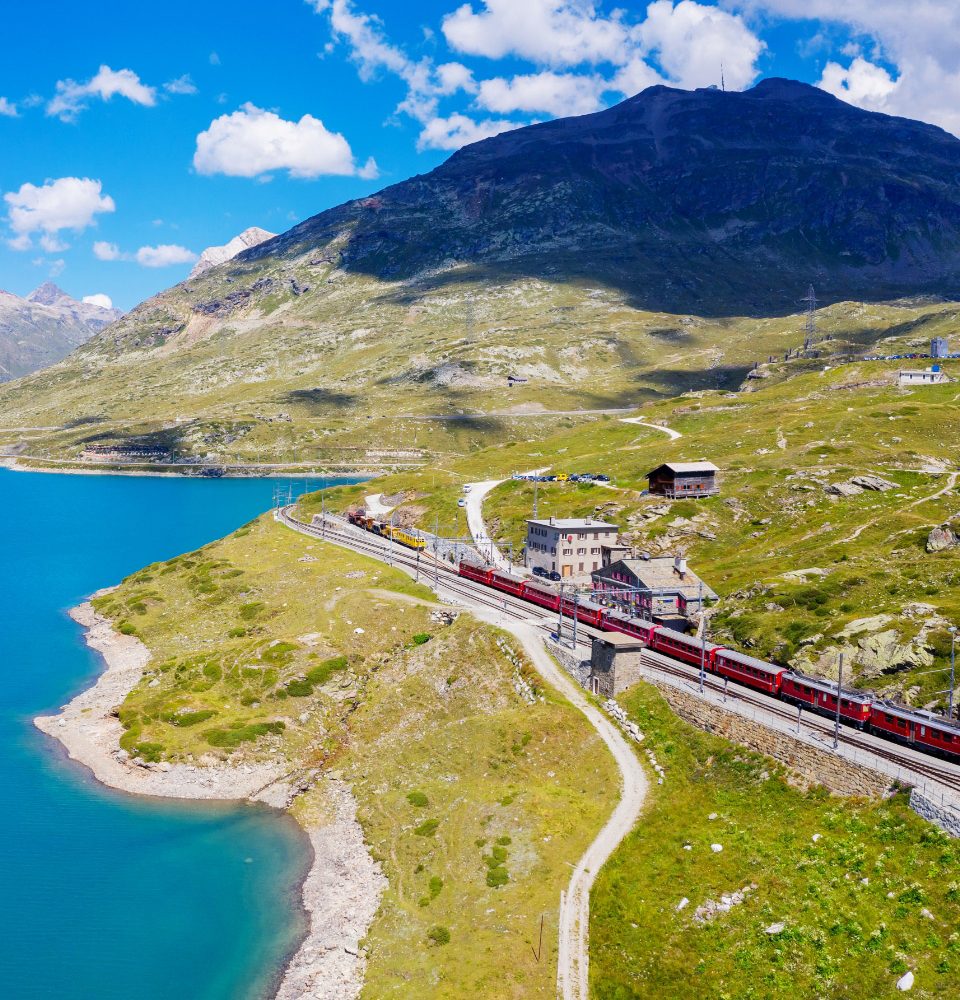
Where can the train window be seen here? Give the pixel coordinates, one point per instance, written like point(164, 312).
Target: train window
point(902, 723)
point(923, 730)
point(888, 718)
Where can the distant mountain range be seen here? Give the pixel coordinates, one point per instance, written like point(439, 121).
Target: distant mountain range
point(213, 256)
point(44, 327)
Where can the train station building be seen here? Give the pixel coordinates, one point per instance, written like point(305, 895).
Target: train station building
point(570, 546)
point(662, 585)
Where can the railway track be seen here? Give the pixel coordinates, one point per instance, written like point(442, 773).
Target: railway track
point(519, 610)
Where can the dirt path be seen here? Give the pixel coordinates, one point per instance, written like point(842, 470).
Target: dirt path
point(951, 483)
point(573, 963)
point(640, 422)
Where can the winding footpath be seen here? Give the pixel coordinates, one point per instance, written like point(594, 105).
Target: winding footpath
point(640, 422)
point(573, 963)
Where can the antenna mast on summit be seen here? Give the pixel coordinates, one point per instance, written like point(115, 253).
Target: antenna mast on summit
point(810, 326)
point(723, 86)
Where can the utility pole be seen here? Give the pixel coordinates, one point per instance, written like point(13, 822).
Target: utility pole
point(536, 483)
point(810, 327)
point(560, 616)
point(576, 600)
point(703, 640)
point(323, 514)
point(836, 724)
point(953, 642)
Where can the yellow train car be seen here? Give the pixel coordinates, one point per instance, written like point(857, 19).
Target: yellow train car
point(406, 538)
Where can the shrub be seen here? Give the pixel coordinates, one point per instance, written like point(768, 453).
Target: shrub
point(427, 828)
point(239, 733)
point(438, 935)
point(418, 799)
point(185, 719)
point(250, 610)
point(497, 877)
point(420, 638)
point(126, 628)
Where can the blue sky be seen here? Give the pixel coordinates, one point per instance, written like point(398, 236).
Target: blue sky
point(132, 139)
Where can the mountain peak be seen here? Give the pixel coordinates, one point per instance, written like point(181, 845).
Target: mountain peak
point(48, 294)
point(213, 256)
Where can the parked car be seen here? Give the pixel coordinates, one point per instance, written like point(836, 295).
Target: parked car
point(574, 478)
point(553, 575)
point(461, 502)
point(539, 571)
point(601, 478)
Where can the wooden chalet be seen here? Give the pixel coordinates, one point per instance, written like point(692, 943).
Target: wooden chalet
point(677, 480)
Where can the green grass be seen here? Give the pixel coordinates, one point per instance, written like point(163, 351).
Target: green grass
point(843, 937)
point(257, 655)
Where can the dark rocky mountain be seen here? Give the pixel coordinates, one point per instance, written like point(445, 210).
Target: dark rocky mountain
point(703, 201)
point(44, 327)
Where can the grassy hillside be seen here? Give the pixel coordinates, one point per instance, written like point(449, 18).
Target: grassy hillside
point(803, 573)
point(345, 375)
point(469, 775)
point(861, 891)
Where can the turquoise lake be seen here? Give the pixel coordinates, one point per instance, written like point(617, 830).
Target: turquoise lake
point(107, 896)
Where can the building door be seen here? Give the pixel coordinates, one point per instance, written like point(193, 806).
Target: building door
point(595, 685)
point(566, 570)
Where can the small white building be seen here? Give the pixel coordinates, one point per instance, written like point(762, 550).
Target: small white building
point(926, 376)
point(567, 545)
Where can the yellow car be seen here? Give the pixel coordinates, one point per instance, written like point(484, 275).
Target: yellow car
point(562, 477)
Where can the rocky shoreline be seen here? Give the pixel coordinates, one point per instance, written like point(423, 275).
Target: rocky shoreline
point(342, 889)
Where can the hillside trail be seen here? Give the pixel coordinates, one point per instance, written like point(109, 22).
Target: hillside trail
point(640, 422)
point(951, 483)
point(573, 959)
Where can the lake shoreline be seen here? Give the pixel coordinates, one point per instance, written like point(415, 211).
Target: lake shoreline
point(11, 463)
point(342, 887)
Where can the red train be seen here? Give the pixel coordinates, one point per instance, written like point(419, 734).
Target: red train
point(923, 730)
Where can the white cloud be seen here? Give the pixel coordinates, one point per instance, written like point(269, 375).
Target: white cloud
point(458, 130)
point(181, 85)
point(103, 250)
point(56, 267)
point(7, 108)
point(914, 62)
point(64, 203)
point(251, 142)
point(164, 255)
point(862, 82)
point(98, 299)
point(373, 53)
point(691, 42)
point(548, 32)
point(50, 243)
point(553, 93)
point(214, 59)
point(72, 97)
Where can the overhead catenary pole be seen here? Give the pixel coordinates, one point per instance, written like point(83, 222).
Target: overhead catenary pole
point(836, 724)
point(703, 640)
point(576, 600)
point(953, 643)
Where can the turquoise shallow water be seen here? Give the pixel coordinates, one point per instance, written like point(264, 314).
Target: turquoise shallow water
point(105, 896)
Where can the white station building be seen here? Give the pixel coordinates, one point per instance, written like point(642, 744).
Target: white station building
point(570, 546)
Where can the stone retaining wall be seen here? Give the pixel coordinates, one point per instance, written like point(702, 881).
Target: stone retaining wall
point(942, 814)
point(578, 669)
point(842, 777)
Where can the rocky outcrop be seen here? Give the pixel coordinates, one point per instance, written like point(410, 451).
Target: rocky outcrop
point(940, 538)
point(213, 256)
point(857, 484)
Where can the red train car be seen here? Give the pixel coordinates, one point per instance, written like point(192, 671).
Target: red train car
point(748, 670)
point(683, 647)
point(506, 582)
point(821, 696)
point(542, 594)
point(477, 573)
point(587, 612)
point(924, 730)
point(617, 621)
point(357, 517)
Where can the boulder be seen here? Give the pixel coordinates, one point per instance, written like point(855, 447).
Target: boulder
point(843, 489)
point(905, 982)
point(941, 538)
point(873, 483)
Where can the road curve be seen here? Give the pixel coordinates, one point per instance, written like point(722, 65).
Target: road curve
point(654, 427)
point(475, 525)
point(573, 961)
